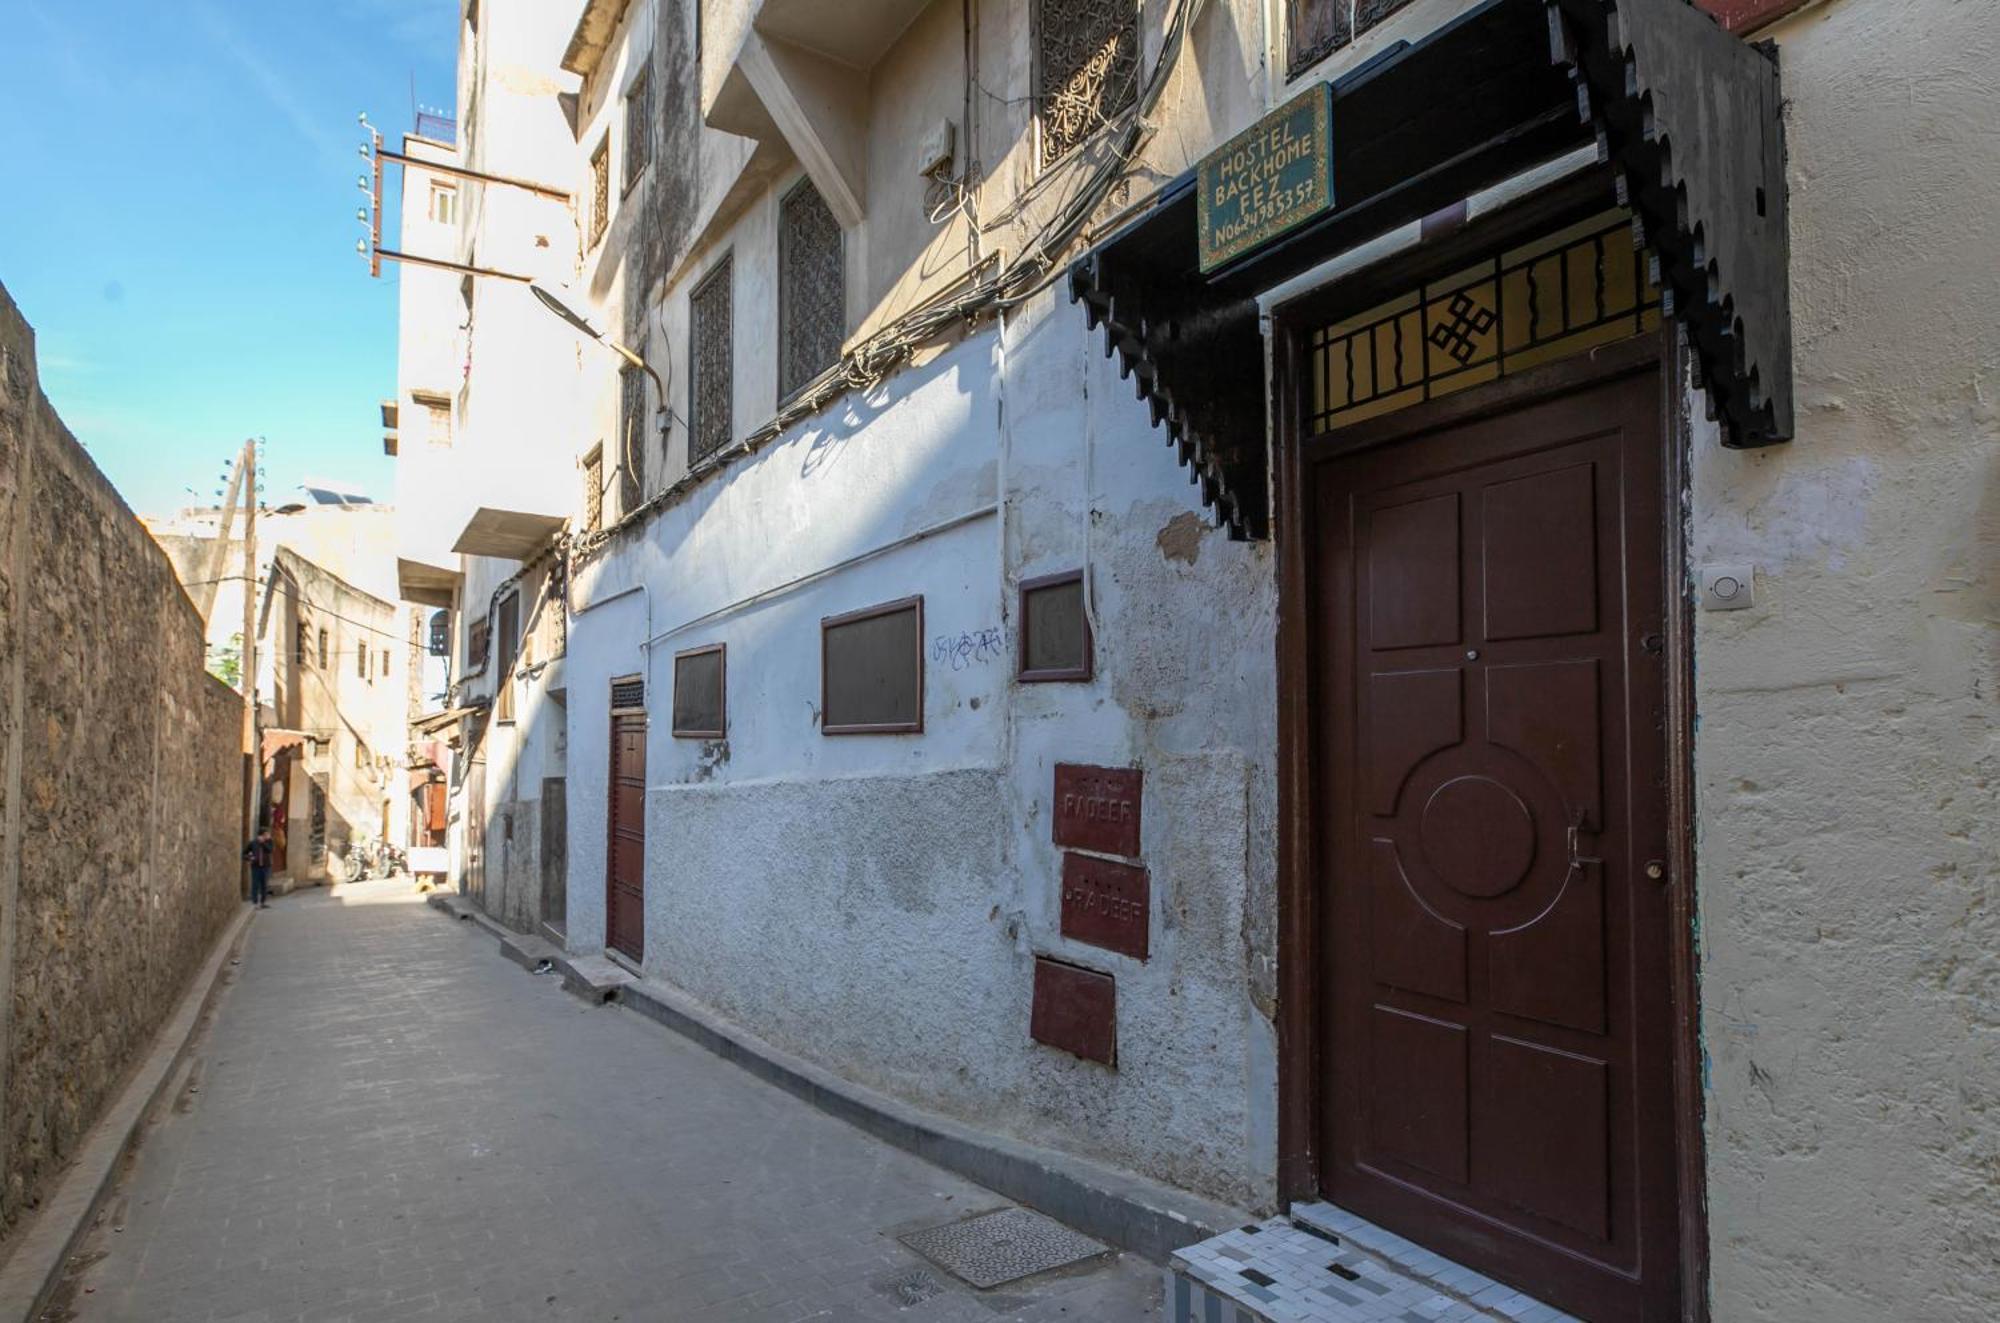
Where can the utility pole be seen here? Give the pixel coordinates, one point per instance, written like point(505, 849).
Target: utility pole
point(253, 757)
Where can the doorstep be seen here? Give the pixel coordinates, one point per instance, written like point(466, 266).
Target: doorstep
point(1325, 1265)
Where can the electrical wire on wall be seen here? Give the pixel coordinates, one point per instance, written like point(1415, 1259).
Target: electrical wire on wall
point(993, 292)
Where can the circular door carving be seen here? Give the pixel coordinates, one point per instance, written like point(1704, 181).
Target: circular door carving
point(1478, 836)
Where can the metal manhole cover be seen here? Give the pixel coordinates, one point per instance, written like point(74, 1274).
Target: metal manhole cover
point(1006, 1246)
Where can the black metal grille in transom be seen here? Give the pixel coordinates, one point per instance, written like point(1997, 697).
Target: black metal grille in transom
point(811, 289)
point(1583, 286)
point(1317, 28)
point(711, 363)
point(628, 695)
point(1086, 67)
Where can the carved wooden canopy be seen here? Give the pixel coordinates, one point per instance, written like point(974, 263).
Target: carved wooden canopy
point(1685, 116)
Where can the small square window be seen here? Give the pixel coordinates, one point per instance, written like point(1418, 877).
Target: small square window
point(700, 693)
point(437, 418)
point(872, 670)
point(1055, 629)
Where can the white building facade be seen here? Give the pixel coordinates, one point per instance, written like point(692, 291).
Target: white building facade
point(840, 645)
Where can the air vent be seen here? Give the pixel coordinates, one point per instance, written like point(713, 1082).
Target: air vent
point(628, 695)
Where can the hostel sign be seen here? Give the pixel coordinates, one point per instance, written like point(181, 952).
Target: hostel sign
point(1272, 177)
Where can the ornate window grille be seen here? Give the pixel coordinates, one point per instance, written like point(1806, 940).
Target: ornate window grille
point(1086, 68)
point(711, 374)
point(632, 438)
point(811, 289)
point(1580, 287)
point(1317, 28)
point(638, 128)
point(593, 490)
point(600, 190)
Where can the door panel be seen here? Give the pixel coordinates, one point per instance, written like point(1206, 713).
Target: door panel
point(625, 831)
point(1489, 734)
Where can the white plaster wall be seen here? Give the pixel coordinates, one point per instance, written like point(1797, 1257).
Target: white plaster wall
point(876, 902)
point(1849, 828)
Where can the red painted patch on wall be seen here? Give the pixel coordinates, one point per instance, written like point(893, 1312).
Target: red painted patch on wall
point(1075, 1010)
point(1097, 808)
point(1107, 904)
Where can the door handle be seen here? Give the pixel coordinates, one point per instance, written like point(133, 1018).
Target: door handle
point(1577, 859)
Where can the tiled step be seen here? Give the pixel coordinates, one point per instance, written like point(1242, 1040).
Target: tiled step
point(1323, 1265)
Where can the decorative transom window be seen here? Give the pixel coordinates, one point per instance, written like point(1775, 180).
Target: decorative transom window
point(711, 362)
point(631, 439)
point(638, 128)
point(1086, 68)
point(593, 489)
point(811, 289)
point(600, 190)
point(1316, 29)
point(1566, 292)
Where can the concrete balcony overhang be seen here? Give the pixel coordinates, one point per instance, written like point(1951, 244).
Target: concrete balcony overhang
point(798, 76)
point(591, 40)
point(426, 584)
point(506, 534)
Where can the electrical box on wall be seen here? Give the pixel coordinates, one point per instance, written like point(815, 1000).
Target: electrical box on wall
point(938, 149)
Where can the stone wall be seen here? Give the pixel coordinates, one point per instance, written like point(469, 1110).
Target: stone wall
point(120, 773)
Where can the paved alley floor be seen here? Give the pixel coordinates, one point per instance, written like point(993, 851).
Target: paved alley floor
point(388, 1120)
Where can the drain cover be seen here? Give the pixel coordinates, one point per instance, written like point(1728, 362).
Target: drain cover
point(1002, 1247)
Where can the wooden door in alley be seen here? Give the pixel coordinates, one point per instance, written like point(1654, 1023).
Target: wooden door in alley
point(1489, 721)
point(475, 831)
point(625, 861)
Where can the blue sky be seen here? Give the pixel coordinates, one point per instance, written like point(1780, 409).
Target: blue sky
point(179, 226)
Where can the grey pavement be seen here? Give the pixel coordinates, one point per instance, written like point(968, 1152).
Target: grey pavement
point(387, 1120)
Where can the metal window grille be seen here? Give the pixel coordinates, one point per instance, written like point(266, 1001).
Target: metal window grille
point(1316, 29)
point(305, 645)
point(1367, 13)
point(593, 490)
point(632, 438)
point(628, 695)
point(1086, 68)
point(1567, 292)
point(812, 295)
point(600, 190)
point(711, 362)
point(361, 662)
point(322, 650)
point(638, 128)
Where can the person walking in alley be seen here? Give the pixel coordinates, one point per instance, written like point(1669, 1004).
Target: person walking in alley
point(258, 852)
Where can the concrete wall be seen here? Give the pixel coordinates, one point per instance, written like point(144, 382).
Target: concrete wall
point(120, 767)
point(1848, 758)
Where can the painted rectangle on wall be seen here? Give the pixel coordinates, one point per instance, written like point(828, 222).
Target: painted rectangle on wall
point(1097, 808)
point(1107, 904)
point(1076, 1010)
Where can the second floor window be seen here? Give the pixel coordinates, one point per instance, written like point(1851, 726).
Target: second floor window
point(322, 650)
point(638, 128)
point(811, 289)
point(632, 439)
point(437, 418)
point(593, 489)
point(711, 362)
point(600, 190)
point(506, 645)
point(1086, 68)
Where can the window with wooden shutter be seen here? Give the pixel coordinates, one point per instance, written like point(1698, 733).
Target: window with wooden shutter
point(711, 375)
point(506, 644)
point(872, 670)
point(811, 288)
point(1086, 68)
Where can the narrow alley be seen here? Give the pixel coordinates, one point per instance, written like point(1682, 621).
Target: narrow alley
point(387, 1120)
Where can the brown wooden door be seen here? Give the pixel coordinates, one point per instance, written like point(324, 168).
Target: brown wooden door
point(1497, 1026)
point(625, 865)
